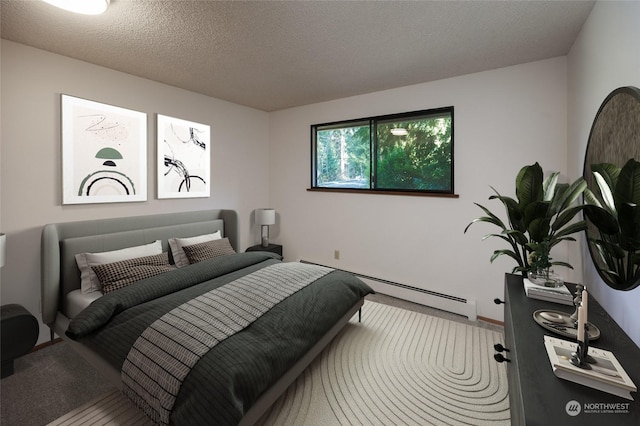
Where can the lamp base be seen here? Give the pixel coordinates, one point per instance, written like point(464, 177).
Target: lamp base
point(264, 235)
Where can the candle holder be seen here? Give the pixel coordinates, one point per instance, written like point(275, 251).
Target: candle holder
point(581, 358)
point(576, 302)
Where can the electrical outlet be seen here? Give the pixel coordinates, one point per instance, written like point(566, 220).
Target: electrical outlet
point(336, 254)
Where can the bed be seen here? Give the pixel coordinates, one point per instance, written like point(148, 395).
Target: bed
point(214, 342)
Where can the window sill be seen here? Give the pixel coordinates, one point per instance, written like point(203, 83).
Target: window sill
point(382, 192)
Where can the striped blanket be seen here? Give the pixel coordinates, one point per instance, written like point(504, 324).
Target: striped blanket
point(166, 351)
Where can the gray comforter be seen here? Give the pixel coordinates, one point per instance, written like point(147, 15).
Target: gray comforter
point(225, 382)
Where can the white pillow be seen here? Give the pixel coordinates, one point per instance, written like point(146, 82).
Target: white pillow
point(176, 244)
point(89, 281)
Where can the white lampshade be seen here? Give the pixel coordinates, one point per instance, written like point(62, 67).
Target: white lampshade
point(3, 247)
point(265, 217)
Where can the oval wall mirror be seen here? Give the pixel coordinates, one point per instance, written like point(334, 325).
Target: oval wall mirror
point(614, 138)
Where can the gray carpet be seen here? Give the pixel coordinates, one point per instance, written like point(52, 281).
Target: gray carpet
point(46, 384)
point(54, 381)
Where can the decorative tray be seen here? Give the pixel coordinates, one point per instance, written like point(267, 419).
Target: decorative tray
point(561, 323)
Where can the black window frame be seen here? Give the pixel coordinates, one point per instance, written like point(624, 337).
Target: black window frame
point(373, 189)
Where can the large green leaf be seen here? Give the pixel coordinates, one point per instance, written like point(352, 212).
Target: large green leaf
point(490, 218)
point(558, 196)
point(602, 219)
point(510, 204)
point(590, 198)
point(517, 236)
point(529, 185)
point(603, 255)
point(606, 193)
point(613, 249)
point(487, 219)
point(565, 217)
point(571, 229)
point(549, 186)
point(568, 196)
point(502, 237)
point(628, 187)
point(509, 253)
point(539, 229)
point(536, 210)
point(627, 200)
point(629, 219)
point(557, 240)
point(513, 209)
point(609, 172)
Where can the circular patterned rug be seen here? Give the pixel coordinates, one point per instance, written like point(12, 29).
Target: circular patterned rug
point(399, 367)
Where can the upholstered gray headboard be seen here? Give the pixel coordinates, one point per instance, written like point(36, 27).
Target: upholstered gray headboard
point(62, 241)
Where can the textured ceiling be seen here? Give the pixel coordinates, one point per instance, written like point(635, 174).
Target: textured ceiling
point(272, 55)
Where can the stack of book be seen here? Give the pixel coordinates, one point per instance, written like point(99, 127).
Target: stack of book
point(604, 372)
point(560, 294)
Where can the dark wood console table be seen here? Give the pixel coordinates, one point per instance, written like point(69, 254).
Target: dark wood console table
point(536, 395)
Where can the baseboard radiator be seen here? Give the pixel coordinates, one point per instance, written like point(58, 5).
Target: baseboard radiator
point(444, 302)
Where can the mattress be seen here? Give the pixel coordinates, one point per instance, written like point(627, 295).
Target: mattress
point(76, 301)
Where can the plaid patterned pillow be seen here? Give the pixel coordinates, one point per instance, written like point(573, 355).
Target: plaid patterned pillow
point(207, 250)
point(117, 275)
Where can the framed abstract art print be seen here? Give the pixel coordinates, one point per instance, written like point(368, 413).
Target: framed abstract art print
point(104, 153)
point(184, 157)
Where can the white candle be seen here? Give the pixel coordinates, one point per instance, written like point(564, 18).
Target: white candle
point(581, 323)
point(585, 303)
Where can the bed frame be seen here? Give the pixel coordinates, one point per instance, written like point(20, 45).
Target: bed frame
point(60, 275)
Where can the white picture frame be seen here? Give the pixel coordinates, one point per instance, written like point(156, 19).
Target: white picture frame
point(104, 153)
point(183, 158)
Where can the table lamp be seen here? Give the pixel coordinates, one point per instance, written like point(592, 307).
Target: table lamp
point(264, 218)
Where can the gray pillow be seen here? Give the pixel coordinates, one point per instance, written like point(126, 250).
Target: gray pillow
point(117, 275)
point(207, 250)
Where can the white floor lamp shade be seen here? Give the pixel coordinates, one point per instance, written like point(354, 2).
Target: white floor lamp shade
point(264, 218)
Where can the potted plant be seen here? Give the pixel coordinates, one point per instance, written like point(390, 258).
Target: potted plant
point(614, 210)
point(538, 219)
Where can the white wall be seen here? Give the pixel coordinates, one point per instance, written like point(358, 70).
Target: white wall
point(604, 57)
point(30, 176)
point(504, 119)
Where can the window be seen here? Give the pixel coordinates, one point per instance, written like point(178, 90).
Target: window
point(408, 152)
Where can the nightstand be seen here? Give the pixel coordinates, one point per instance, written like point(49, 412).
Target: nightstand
point(19, 331)
point(273, 248)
